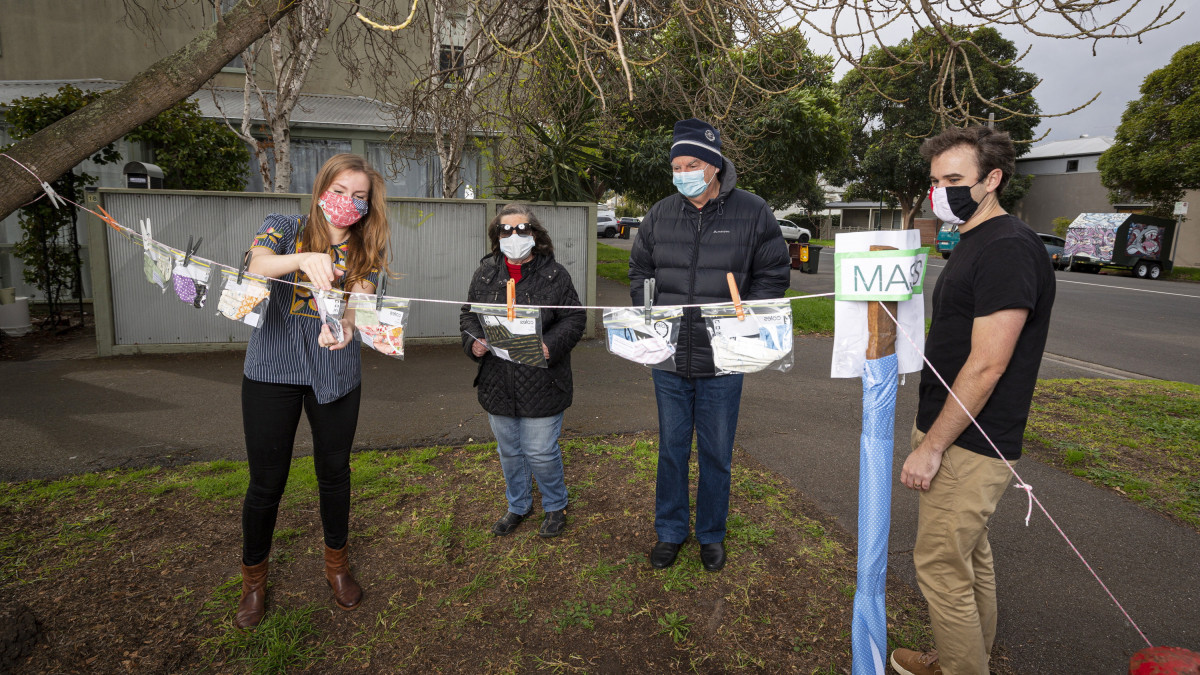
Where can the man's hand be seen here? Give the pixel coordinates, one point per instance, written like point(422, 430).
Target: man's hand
point(920, 467)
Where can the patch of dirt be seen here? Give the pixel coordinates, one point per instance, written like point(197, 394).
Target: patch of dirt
point(126, 580)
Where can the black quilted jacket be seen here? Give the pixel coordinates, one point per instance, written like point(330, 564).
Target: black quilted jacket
point(688, 252)
point(515, 390)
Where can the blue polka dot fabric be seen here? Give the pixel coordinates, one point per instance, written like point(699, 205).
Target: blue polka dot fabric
point(869, 627)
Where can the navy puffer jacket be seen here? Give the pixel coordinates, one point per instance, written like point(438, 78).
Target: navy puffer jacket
point(688, 251)
point(513, 389)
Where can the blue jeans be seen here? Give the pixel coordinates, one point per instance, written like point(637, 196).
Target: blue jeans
point(708, 405)
point(528, 448)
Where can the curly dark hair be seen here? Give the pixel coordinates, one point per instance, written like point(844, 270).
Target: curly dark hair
point(993, 149)
point(541, 238)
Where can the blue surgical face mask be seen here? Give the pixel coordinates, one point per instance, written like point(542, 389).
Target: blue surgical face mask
point(692, 183)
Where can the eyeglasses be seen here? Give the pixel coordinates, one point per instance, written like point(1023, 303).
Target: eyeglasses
point(519, 228)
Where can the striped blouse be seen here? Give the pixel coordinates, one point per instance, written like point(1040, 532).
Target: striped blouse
point(283, 349)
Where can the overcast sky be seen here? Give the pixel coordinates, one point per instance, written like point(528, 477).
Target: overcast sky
point(1071, 75)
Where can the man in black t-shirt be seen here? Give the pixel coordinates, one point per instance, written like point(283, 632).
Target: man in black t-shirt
point(991, 314)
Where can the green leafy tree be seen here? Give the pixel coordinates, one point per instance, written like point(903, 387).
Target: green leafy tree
point(194, 153)
point(780, 130)
point(1157, 152)
point(890, 117)
point(49, 244)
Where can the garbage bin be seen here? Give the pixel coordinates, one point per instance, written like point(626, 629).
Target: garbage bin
point(811, 261)
point(623, 230)
point(794, 252)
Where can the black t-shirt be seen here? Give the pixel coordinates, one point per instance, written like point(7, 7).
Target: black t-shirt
point(999, 264)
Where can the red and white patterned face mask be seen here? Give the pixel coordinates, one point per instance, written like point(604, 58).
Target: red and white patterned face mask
point(342, 210)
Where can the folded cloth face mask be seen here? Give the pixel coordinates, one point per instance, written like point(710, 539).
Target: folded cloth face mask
point(647, 350)
point(191, 282)
point(156, 265)
point(239, 301)
point(381, 325)
point(744, 354)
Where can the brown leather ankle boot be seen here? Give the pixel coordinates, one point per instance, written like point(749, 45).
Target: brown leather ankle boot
point(346, 591)
point(254, 595)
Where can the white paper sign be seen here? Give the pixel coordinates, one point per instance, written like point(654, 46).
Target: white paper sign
point(850, 317)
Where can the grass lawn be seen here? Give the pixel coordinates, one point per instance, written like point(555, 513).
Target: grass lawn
point(1184, 274)
point(138, 571)
point(1140, 438)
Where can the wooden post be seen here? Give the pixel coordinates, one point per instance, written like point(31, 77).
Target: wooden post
point(880, 327)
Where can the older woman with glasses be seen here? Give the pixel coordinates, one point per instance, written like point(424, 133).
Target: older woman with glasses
point(525, 402)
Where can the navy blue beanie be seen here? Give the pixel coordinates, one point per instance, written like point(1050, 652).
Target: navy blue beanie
point(701, 140)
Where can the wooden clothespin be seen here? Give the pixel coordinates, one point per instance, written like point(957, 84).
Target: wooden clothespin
point(512, 297)
point(191, 250)
point(737, 297)
point(379, 290)
point(245, 265)
point(648, 293)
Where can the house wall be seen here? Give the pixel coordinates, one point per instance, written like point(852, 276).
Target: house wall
point(1061, 195)
point(1187, 244)
point(1056, 165)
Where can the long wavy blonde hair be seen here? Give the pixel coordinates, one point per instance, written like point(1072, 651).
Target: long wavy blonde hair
point(367, 248)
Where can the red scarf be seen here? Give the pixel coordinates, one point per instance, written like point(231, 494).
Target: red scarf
point(514, 271)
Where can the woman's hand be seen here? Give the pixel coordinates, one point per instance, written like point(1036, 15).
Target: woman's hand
point(319, 269)
point(326, 338)
point(479, 348)
point(545, 351)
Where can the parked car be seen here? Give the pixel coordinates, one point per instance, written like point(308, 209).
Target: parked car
point(629, 220)
point(606, 226)
point(794, 232)
point(947, 239)
point(1054, 247)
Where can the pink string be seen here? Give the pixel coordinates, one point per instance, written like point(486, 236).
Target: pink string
point(1021, 484)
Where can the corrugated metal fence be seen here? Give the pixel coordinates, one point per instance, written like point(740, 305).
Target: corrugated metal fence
point(436, 245)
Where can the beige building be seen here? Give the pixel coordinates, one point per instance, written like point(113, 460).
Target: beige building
point(1067, 183)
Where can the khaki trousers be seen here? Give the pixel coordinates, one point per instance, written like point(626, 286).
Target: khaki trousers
point(954, 559)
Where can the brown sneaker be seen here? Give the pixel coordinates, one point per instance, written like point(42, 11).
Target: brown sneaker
point(908, 662)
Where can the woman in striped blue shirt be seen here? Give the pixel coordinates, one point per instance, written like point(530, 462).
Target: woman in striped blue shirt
point(295, 362)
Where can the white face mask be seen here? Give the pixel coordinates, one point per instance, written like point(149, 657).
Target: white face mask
point(744, 354)
point(516, 246)
point(647, 351)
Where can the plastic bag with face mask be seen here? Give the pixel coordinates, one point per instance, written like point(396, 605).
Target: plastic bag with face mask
point(763, 340)
point(330, 306)
point(648, 342)
point(191, 280)
point(244, 301)
point(518, 340)
point(381, 325)
point(157, 261)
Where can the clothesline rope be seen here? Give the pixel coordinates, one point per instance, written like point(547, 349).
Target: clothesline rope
point(1021, 484)
point(133, 234)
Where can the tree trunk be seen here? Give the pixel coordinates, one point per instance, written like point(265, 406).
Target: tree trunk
point(909, 206)
point(61, 146)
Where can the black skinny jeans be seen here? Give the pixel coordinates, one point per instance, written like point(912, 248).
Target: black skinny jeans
point(270, 416)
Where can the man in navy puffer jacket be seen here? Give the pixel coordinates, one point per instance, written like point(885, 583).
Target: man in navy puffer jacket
point(687, 243)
